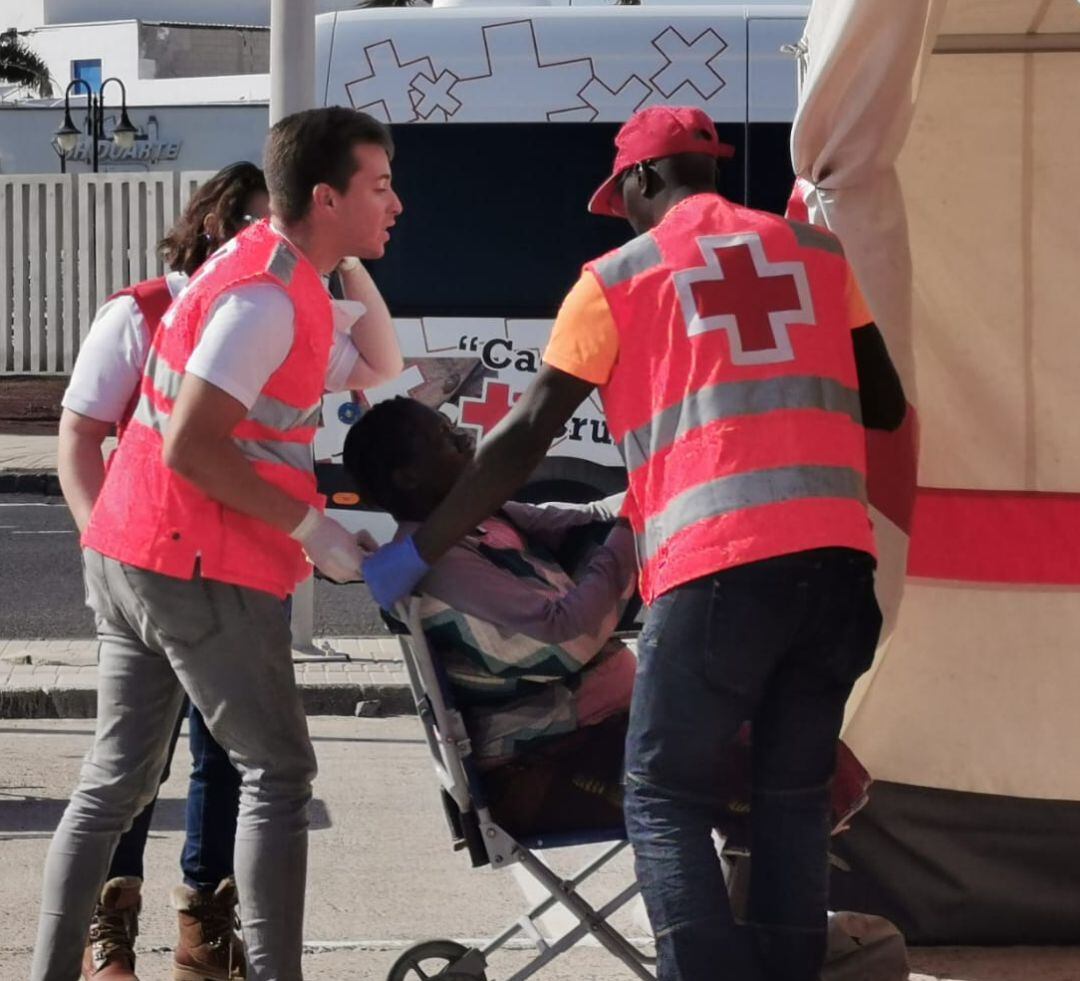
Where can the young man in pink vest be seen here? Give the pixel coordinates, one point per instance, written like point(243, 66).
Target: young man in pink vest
point(738, 365)
point(208, 517)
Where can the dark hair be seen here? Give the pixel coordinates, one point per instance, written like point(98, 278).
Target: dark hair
point(695, 170)
point(225, 196)
point(377, 445)
point(315, 147)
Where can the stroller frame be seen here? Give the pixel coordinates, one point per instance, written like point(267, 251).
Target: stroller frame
point(474, 829)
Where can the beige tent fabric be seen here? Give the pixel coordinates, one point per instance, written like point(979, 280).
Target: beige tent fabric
point(1015, 17)
point(977, 690)
point(861, 68)
point(863, 63)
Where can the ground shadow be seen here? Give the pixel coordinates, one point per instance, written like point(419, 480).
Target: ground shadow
point(37, 817)
point(366, 739)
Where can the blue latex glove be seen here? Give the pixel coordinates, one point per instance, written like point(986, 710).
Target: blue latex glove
point(392, 571)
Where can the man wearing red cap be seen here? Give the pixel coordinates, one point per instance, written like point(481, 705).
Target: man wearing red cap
point(738, 365)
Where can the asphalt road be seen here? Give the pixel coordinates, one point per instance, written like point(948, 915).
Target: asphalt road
point(41, 591)
point(381, 873)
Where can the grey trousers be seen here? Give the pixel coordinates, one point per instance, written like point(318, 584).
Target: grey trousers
point(229, 649)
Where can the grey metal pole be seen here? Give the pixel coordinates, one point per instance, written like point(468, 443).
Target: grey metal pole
point(292, 88)
point(292, 57)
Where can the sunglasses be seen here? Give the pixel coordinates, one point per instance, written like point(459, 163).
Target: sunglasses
point(632, 169)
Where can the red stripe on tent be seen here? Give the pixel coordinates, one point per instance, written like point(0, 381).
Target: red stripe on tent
point(972, 535)
point(996, 536)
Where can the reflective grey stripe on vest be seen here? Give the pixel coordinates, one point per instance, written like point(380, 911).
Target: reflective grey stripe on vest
point(812, 237)
point(748, 490)
point(732, 399)
point(637, 256)
point(281, 416)
point(283, 263)
point(267, 410)
point(299, 456)
point(166, 380)
point(150, 415)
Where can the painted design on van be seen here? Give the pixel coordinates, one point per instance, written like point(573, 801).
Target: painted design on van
point(472, 370)
point(482, 414)
point(389, 84)
point(689, 63)
point(567, 90)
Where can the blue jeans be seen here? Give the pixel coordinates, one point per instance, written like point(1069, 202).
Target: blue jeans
point(778, 643)
point(212, 804)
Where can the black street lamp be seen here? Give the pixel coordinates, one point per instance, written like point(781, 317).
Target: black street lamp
point(67, 136)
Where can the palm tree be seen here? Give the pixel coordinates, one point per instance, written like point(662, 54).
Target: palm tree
point(19, 65)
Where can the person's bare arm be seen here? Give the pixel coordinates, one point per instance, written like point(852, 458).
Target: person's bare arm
point(199, 447)
point(373, 334)
point(504, 460)
point(881, 395)
point(80, 462)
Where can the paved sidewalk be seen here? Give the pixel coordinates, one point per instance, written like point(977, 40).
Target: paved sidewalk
point(35, 453)
point(382, 874)
point(28, 463)
point(57, 679)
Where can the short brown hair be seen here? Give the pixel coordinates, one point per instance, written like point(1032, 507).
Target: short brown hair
point(225, 195)
point(315, 147)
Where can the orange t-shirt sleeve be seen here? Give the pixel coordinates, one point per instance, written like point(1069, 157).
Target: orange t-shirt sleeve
point(584, 341)
point(858, 311)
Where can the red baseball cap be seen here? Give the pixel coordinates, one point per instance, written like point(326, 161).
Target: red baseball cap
point(659, 131)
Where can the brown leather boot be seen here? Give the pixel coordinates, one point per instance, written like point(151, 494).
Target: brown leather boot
point(209, 948)
point(110, 949)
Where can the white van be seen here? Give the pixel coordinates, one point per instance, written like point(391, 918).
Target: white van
point(504, 118)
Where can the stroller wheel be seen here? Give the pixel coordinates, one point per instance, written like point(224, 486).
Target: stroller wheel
point(437, 959)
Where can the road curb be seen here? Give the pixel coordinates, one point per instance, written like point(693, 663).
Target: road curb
point(41, 482)
point(332, 699)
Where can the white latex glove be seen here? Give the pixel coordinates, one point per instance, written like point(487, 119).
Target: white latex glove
point(329, 547)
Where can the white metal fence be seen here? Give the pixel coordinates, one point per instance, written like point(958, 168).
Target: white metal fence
point(68, 241)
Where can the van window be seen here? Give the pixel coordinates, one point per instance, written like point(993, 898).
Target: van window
point(495, 222)
point(768, 166)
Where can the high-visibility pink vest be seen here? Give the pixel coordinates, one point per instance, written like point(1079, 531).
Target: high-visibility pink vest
point(735, 398)
point(152, 297)
point(150, 517)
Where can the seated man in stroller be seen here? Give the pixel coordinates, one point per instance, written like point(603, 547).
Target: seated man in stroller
point(527, 643)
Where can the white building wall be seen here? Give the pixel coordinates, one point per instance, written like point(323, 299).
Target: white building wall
point(117, 45)
point(208, 138)
point(22, 14)
point(246, 12)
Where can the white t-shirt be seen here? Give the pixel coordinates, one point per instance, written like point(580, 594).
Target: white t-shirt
point(111, 358)
point(246, 337)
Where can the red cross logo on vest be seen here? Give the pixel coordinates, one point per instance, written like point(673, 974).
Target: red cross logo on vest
point(485, 413)
point(740, 291)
